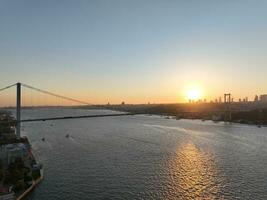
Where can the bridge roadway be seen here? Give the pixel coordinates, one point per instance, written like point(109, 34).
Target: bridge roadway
point(68, 117)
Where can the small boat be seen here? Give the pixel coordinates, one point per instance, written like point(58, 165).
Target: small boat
point(67, 136)
point(43, 139)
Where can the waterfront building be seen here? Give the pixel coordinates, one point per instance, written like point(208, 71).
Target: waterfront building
point(16, 151)
point(10, 152)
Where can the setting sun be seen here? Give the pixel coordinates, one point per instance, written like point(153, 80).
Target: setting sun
point(194, 93)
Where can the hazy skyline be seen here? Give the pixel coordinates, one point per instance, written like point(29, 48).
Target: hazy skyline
point(135, 51)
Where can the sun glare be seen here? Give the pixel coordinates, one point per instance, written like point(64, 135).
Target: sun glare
point(194, 94)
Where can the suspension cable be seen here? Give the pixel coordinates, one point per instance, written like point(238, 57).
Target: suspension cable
point(7, 87)
point(55, 95)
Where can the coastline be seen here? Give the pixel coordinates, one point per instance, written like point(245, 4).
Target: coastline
point(36, 182)
point(250, 113)
point(31, 188)
point(20, 172)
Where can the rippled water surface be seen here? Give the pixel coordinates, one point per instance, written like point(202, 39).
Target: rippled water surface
point(146, 157)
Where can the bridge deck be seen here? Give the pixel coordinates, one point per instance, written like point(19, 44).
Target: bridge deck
point(67, 117)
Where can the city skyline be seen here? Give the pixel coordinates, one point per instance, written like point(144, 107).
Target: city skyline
point(135, 51)
point(32, 96)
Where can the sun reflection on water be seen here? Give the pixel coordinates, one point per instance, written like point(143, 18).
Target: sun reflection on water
point(193, 174)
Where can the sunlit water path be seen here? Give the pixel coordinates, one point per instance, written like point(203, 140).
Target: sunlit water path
point(146, 157)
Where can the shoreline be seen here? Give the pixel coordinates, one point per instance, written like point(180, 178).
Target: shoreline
point(32, 187)
point(22, 157)
point(249, 123)
point(36, 182)
point(250, 113)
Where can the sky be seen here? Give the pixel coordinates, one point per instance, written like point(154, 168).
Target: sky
point(135, 51)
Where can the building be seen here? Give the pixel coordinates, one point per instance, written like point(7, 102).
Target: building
point(10, 152)
point(263, 98)
point(256, 99)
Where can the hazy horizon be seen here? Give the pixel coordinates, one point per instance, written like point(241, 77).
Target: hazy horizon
point(135, 51)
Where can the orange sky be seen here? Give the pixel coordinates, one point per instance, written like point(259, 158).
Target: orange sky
point(135, 51)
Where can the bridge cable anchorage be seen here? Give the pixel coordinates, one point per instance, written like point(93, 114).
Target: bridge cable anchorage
point(55, 95)
point(7, 87)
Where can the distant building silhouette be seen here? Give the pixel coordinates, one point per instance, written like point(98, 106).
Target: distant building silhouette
point(227, 107)
point(263, 98)
point(256, 98)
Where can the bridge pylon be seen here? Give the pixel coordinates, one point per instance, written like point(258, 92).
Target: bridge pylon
point(18, 110)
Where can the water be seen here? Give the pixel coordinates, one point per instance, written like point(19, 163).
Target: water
point(146, 157)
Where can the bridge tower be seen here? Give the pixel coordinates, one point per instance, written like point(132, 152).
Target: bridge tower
point(18, 110)
point(227, 107)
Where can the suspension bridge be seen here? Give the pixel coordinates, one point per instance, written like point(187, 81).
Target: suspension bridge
point(18, 105)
